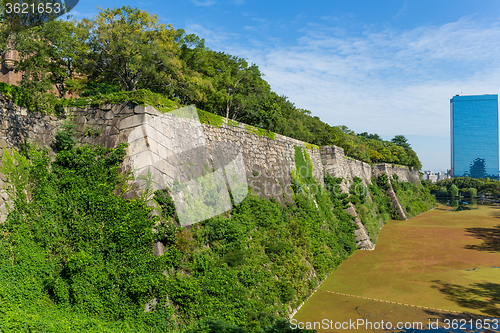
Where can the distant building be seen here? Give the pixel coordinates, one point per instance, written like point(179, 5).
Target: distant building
point(434, 177)
point(7, 71)
point(474, 136)
point(7, 66)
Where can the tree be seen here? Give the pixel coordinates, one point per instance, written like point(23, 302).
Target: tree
point(49, 56)
point(414, 160)
point(375, 156)
point(472, 193)
point(370, 136)
point(131, 49)
point(400, 140)
point(15, 18)
point(239, 92)
point(442, 192)
point(454, 190)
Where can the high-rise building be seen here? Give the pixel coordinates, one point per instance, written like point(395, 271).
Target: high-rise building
point(474, 136)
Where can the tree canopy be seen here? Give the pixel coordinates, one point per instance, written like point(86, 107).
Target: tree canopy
point(484, 186)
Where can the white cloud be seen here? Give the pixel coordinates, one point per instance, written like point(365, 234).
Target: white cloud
point(203, 3)
point(402, 12)
point(215, 36)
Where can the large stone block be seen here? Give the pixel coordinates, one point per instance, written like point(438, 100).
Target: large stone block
point(3, 212)
point(109, 115)
point(111, 141)
point(106, 107)
point(80, 120)
point(139, 109)
point(134, 121)
point(137, 146)
point(124, 108)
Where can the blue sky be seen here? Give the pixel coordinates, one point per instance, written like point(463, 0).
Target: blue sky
point(385, 67)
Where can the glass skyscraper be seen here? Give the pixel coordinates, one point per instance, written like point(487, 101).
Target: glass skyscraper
point(474, 136)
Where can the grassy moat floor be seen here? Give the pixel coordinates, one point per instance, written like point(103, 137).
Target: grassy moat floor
point(440, 260)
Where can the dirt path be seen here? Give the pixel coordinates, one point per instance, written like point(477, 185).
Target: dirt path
point(437, 260)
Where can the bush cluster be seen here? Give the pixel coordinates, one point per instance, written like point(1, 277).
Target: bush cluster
point(466, 186)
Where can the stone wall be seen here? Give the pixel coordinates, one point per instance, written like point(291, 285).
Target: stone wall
point(19, 126)
point(268, 161)
point(155, 140)
point(404, 173)
point(338, 165)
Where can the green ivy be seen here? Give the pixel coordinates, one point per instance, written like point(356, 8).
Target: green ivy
point(76, 255)
point(233, 123)
point(65, 139)
point(210, 118)
point(260, 132)
point(414, 198)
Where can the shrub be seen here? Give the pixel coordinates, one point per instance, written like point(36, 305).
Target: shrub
point(453, 191)
point(443, 192)
point(472, 193)
point(79, 247)
point(65, 139)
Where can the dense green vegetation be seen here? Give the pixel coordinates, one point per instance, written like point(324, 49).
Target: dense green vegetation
point(371, 148)
point(414, 199)
point(465, 186)
point(374, 209)
point(374, 206)
point(76, 255)
point(124, 54)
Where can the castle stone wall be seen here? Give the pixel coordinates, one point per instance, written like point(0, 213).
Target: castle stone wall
point(18, 127)
point(268, 160)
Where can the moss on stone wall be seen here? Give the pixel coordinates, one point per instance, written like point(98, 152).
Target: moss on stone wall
point(312, 146)
point(17, 95)
point(304, 165)
point(53, 105)
point(260, 132)
point(414, 198)
point(233, 123)
point(210, 118)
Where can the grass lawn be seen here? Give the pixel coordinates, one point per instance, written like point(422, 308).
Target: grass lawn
point(440, 259)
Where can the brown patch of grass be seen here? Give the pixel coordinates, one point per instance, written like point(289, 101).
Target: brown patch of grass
point(489, 236)
point(423, 261)
point(480, 296)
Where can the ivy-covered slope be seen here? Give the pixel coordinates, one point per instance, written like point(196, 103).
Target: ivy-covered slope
point(74, 255)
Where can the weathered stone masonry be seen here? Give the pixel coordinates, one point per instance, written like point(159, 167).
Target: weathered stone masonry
point(268, 161)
